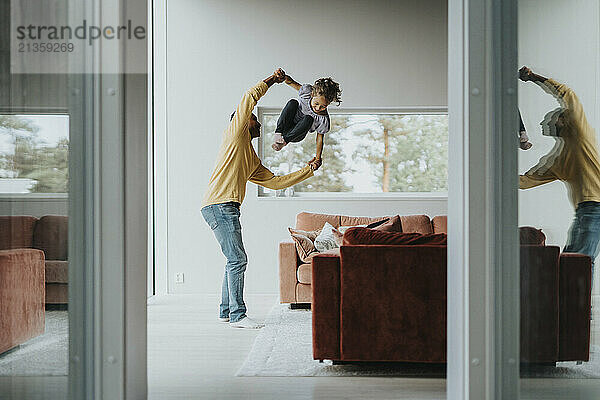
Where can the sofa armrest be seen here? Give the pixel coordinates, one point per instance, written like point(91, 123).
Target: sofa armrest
point(326, 306)
point(288, 265)
point(575, 286)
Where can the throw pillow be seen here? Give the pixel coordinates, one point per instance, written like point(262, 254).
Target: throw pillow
point(531, 235)
point(338, 234)
point(374, 236)
point(393, 224)
point(374, 225)
point(326, 239)
point(304, 246)
point(312, 235)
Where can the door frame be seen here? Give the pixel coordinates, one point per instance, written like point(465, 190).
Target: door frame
point(483, 273)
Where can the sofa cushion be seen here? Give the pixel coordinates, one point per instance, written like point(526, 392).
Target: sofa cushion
point(440, 224)
point(312, 221)
point(416, 223)
point(393, 224)
point(51, 236)
point(57, 271)
point(357, 236)
point(16, 232)
point(531, 236)
point(304, 273)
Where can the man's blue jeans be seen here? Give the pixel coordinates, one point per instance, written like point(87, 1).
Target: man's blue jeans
point(224, 220)
point(584, 234)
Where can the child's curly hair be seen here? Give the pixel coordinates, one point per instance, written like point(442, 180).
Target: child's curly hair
point(329, 89)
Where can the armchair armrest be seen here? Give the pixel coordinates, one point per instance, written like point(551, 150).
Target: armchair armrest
point(21, 296)
point(288, 264)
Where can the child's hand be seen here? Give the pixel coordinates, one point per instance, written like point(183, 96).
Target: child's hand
point(315, 163)
point(280, 75)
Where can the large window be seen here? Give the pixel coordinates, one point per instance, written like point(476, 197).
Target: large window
point(366, 152)
point(34, 153)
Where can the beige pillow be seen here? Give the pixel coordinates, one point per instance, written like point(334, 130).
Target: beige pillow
point(304, 243)
point(312, 235)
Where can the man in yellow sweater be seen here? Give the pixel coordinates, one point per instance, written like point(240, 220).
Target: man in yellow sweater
point(238, 163)
point(573, 160)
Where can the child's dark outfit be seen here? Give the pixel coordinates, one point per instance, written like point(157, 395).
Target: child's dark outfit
point(297, 118)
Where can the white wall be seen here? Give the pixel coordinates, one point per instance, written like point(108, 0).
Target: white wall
point(383, 53)
point(558, 39)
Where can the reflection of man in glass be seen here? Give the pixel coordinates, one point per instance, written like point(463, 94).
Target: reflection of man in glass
point(573, 160)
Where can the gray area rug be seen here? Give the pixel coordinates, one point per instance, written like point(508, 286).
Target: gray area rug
point(45, 355)
point(284, 348)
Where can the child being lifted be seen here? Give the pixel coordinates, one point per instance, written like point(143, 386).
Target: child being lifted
point(307, 114)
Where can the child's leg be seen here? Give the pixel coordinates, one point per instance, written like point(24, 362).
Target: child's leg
point(299, 132)
point(285, 122)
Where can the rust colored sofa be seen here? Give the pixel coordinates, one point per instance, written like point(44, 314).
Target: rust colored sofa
point(295, 277)
point(21, 296)
point(49, 234)
point(388, 303)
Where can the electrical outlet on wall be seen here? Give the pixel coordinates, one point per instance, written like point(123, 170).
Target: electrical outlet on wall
point(179, 277)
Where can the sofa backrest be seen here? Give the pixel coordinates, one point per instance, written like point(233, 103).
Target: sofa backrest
point(51, 235)
point(48, 233)
point(16, 232)
point(312, 221)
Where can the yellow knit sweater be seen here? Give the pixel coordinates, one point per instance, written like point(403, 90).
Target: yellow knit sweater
point(237, 161)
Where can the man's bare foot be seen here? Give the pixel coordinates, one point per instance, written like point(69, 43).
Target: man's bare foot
point(246, 323)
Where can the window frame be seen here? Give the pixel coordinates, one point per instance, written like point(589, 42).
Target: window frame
point(261, 111)
point(36, 196)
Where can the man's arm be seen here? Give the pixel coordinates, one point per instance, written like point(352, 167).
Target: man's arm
point(290, 81)
point(262, 176)
point(532, 179)
point(565, 96)
point(251, 97)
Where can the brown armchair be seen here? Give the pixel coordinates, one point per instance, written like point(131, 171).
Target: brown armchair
point(21, 296)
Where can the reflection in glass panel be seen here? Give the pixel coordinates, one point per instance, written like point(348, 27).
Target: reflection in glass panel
point(34, 266)
point(559, 204)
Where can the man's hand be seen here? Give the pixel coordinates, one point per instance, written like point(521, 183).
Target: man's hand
point(525, 74)
point(280, 75)
point(277, 77)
